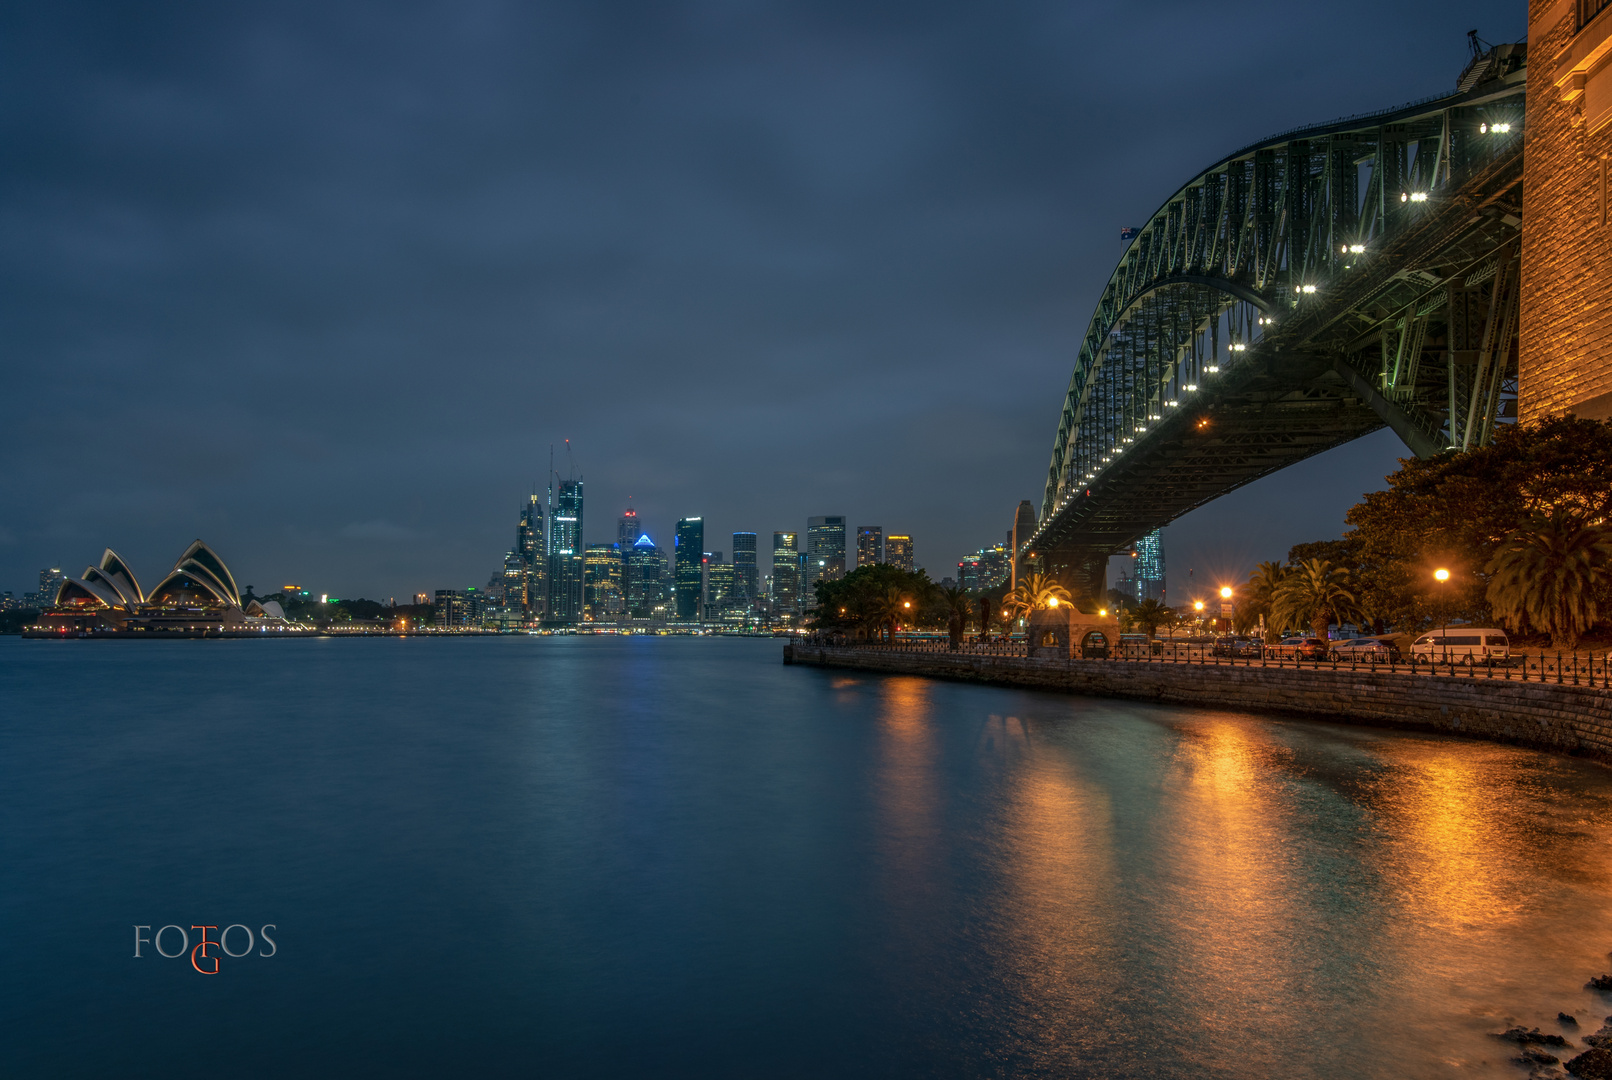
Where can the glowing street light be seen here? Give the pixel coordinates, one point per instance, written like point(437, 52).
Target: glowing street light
point(1052, 601)
point(1225, 592)
point(1441, 575)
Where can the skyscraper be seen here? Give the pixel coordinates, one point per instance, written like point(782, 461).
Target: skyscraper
point(627, 530)
point(531, 546)
point(602, 598)
point(898, 552)
point(744, 565)
point(689, 566)
point(50, 583)
point(869, 545)
point(721, 589)
point(566, 567)
point(785, 574)
point(1149, 574)
point(644, 569)
point(825, 550)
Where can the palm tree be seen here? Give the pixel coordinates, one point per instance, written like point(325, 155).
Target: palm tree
point(1259, 595)
point(1315, 593)
point(890, 607)
point(959, 608)
point(1150, 614)
point(1548, 572)
point(1036, 593)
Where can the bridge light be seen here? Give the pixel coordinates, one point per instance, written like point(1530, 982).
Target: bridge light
point(1404, 196)
point(1239, 347)
point(1357, 249)
point(1214, 369)
point(1191, 387)
point(1418, 196)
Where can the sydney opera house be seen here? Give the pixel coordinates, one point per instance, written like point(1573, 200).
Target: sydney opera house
point(198, 596)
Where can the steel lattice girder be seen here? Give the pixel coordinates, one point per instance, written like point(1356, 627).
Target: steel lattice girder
point(1224, 266)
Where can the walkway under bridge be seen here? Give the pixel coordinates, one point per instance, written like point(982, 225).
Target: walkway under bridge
point(1299, 293)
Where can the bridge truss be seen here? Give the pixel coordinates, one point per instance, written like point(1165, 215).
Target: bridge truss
point(1297, 294)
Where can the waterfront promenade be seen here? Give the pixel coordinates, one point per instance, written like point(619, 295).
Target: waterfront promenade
point(1562, 707)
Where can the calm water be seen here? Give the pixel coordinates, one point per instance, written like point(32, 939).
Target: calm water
point(676, 857)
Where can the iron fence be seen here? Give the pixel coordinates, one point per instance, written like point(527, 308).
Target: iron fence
point(1561, 668)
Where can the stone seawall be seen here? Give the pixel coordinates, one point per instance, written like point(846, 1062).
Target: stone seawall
point(1564, 718)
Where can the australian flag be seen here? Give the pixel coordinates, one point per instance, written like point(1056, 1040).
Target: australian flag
point(1130, 232)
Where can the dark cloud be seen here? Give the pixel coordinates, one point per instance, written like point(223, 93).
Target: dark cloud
point(321, 283)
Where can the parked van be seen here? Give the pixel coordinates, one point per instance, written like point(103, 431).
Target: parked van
point(1463, 645)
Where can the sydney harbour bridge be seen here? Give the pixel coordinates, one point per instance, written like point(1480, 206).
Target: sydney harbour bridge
point(1299, 293)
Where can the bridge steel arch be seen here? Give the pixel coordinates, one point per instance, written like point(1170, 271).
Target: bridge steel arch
point(1298, 293)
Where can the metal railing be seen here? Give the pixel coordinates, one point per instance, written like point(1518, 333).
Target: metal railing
point(1560, 668)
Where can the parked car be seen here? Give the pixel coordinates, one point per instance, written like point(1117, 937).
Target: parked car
point(1303, 648)
point(1237, 645)
point(1139, 645)
point(1462, 645)
point(1366, 648)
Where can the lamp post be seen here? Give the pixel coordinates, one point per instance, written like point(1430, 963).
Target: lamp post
point(1225, 605)
point(1442, 575)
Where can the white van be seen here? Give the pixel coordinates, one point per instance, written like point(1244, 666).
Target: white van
point(1463, 645)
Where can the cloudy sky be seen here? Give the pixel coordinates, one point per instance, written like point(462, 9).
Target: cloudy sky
point(322, 283)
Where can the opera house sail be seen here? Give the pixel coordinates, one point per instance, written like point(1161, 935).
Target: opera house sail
point(197, 597)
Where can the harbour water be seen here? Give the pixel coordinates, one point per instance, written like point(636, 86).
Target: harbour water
point(678, 857)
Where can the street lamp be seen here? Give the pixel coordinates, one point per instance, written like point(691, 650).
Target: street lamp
point(1442, 575)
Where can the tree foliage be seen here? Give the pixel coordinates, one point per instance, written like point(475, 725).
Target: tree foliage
point(1150, 614)
point(1550, 573)
point(872, 598)
point(1034, 593)
point(1314, 594)
point(1457, 510)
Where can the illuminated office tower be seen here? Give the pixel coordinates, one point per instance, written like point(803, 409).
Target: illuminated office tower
point(898, 552)
point(566, 566)
point(531, 547)
point(744, 565)
point(721, 588)
point(50, 583)
point(627, 529)
point(869, 544)
point(785, 574)
point(1150, 567)
point(825, 551)
point(986, 569)
point(602, 599)
point(645, 569)
point(689, 559)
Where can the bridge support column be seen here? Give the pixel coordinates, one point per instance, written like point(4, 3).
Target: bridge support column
point(1081, 570)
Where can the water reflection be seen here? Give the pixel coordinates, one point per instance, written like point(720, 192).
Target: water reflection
point(1445, 822)
point(1057, 917)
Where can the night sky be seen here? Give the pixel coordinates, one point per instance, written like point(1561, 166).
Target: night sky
point(320, 284)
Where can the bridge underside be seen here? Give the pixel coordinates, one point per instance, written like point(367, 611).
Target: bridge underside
point(1267, 414)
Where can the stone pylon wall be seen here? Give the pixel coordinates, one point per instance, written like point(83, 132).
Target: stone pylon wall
point(1565, 334)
